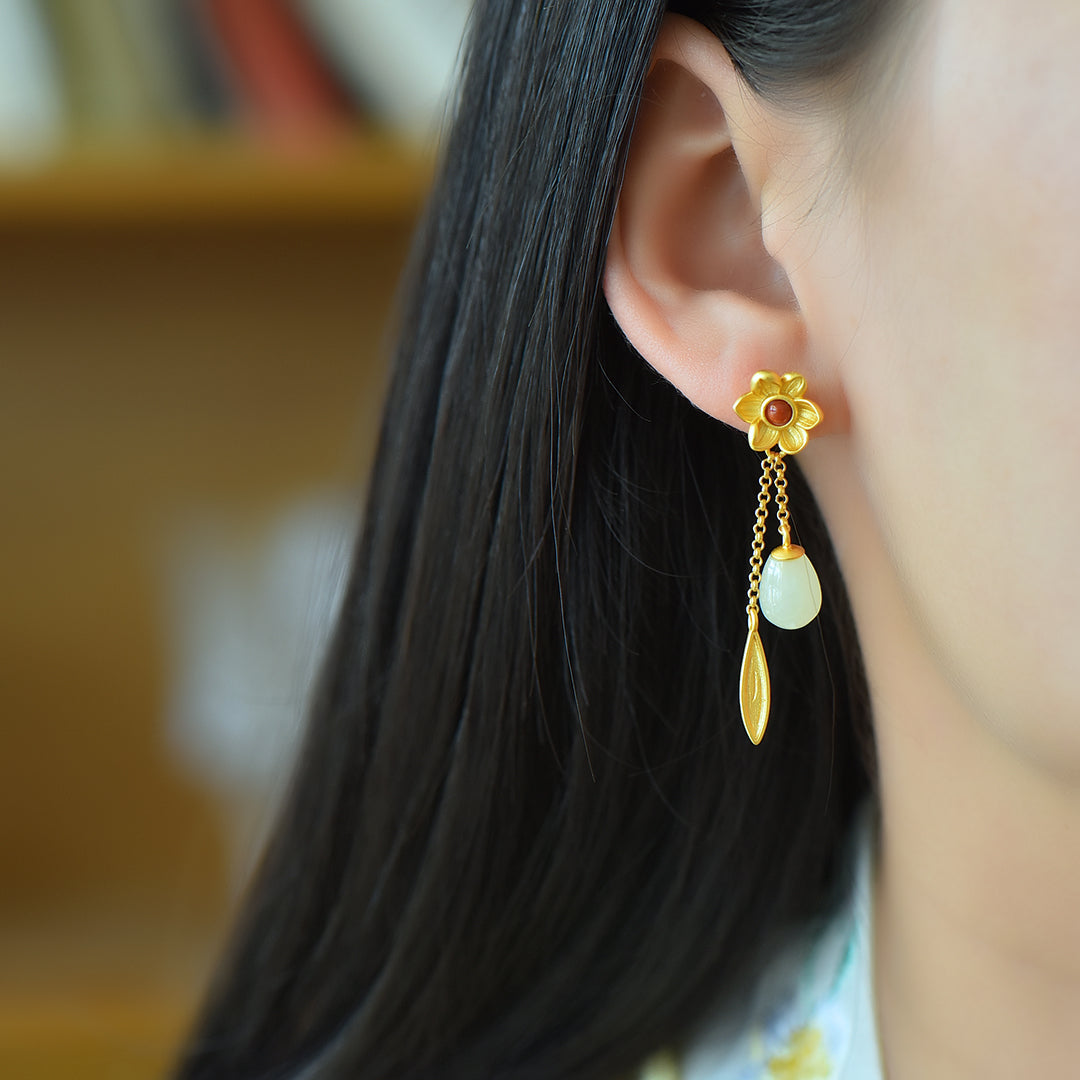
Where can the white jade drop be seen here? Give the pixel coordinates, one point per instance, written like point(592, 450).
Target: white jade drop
point(790, 594)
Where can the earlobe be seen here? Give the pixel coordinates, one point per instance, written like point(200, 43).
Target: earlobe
point(688, 276)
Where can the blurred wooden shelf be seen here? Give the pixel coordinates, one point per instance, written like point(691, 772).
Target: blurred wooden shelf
point(97, 1000)
point(226, 179)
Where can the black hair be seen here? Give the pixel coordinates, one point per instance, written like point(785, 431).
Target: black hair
point(526, 835)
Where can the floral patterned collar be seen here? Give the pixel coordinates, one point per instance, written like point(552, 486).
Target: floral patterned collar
point(812, 1016)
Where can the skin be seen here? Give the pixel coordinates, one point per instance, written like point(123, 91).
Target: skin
point(913, 255)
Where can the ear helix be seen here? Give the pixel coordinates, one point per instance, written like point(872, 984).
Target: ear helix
point(785, 588)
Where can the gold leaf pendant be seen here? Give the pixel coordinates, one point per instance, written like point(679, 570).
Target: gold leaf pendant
point(754, 691)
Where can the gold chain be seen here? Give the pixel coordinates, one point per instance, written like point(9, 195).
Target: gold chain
point(757, 561)
point(783, 518)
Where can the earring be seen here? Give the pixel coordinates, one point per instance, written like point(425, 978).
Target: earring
point(785, 588)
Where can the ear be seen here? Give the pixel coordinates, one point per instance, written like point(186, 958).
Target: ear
point(689, 274)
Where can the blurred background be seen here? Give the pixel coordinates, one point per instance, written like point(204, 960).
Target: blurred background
point(204, 208)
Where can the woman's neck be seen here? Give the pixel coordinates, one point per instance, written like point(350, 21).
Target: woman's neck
point(977, 903)
point(977, 885)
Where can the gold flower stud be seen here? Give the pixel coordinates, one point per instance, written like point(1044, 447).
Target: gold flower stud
point(777, 412)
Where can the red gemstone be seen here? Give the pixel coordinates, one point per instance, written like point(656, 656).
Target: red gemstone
point(778, 412)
